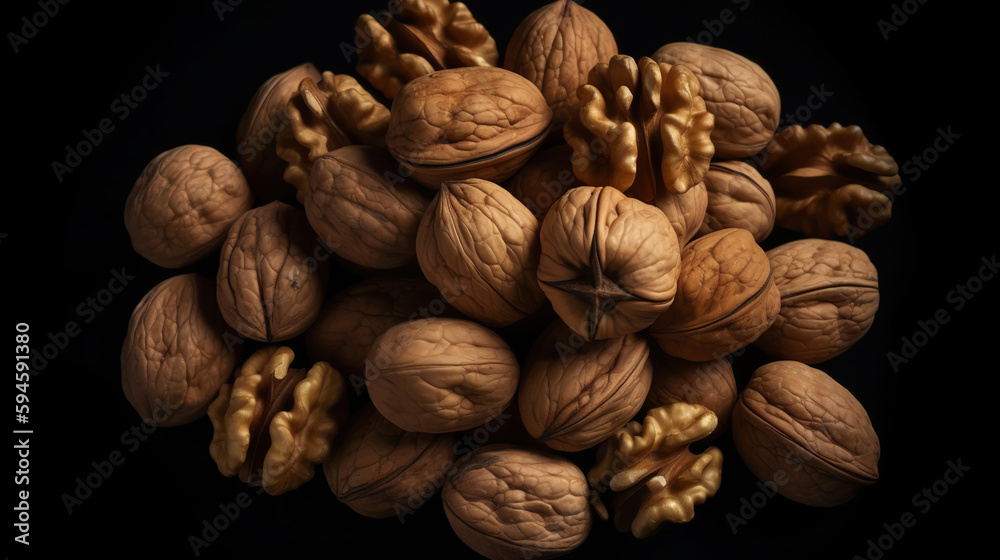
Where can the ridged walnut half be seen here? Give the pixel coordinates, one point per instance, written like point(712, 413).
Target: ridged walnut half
point(417, 38)
point(275, 423)
point(654, 476)
point(642, 127)
point(829, 180)
point(829, 296)
point(738, 197)
point(325, 115)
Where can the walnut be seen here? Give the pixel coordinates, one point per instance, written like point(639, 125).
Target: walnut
point(180, 208)
point(545, 177)
point(725, 298)
point(795, 422)
point(642, 127)
point(711, 384)
point(655, 478)
point(479, 122)
point(555, 47)
point(257, 135)
point(686, 210)
point(738, 197)
point(175, 355)
point(829, 296)
point(325, 115)
point(275, 423)
point(380, 470)
point(420, 36)
point(609, 263)
point(574, 394)
point(736, 90)
point(829, 180)
point(477, 236)
point(440, 375)
point(362, 210)
point(511, 503)
point(269, 286)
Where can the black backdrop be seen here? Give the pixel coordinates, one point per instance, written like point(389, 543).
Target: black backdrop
point(63, 242)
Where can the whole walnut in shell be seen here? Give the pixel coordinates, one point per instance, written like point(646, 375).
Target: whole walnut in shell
point(686, 210)
point(738, 197)
point(441, 375)
point(176, 354)
point(270, 286)
point(736, 90)
point(540, 182)
point(796, 422)
point(829, 296)
point(711, 384)
point(180, 208)
point(510, 503)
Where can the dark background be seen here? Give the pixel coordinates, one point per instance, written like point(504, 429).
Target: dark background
point(63, 240)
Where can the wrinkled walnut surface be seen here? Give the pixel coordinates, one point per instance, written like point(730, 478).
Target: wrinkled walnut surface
point(686, 210)
point(738, 197)
point(545, 177)
point(711, 384)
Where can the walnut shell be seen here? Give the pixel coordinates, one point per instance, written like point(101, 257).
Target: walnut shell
point(711, 384)
point(795, 422)
point(686, 210)
point(477, 122)
point(736, 90)
point(829, 296)
point(362, 210)
point(270, 286)
point(540, 182)
point(738, 197)
point(574, 394)
point(479, 242)
point(609, 263)
point(181, 206)
point(175, 355)
point(555, 47)
point(509, 503)
point(725, 298)
point(440, 375)
point(380, 470)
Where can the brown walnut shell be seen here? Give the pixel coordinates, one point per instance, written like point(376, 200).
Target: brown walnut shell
point(736, 90)
point(574, 394)
point(270, 285)
point(380, 470)
point(796, 426)
point(441, 375)
point(555, 47)
point(362, 210)
point(609, 263)
point(725, 298)
point(540, 182)
point(176, 353)
point(479, 242)
point(510, 503)
point(478, 122)
point(686, 210)
point(180, 208)
point(738, 197)
point(829, 296)
point(711, 384)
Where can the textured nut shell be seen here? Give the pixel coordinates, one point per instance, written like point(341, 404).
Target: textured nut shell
point(738, 197)
point(711, 384)
point(829, 296)
point(686, 210)
point(637, 249)
point(269, 285)
point(555, 47)
point(174, 357)
point(481, 122)
point(725, 298)
point(256, 136)
point(830, 180)
point(543, 179)
point(353, 318)
point(574, 394)
point(736, 90)
point(362, 210)
point(477, 237)
point(182, 205)
point(378, 470)
point(508, 503)
point(797, 419)
point(440, 375)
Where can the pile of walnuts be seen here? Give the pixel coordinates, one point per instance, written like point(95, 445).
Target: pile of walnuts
point(622, 202)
